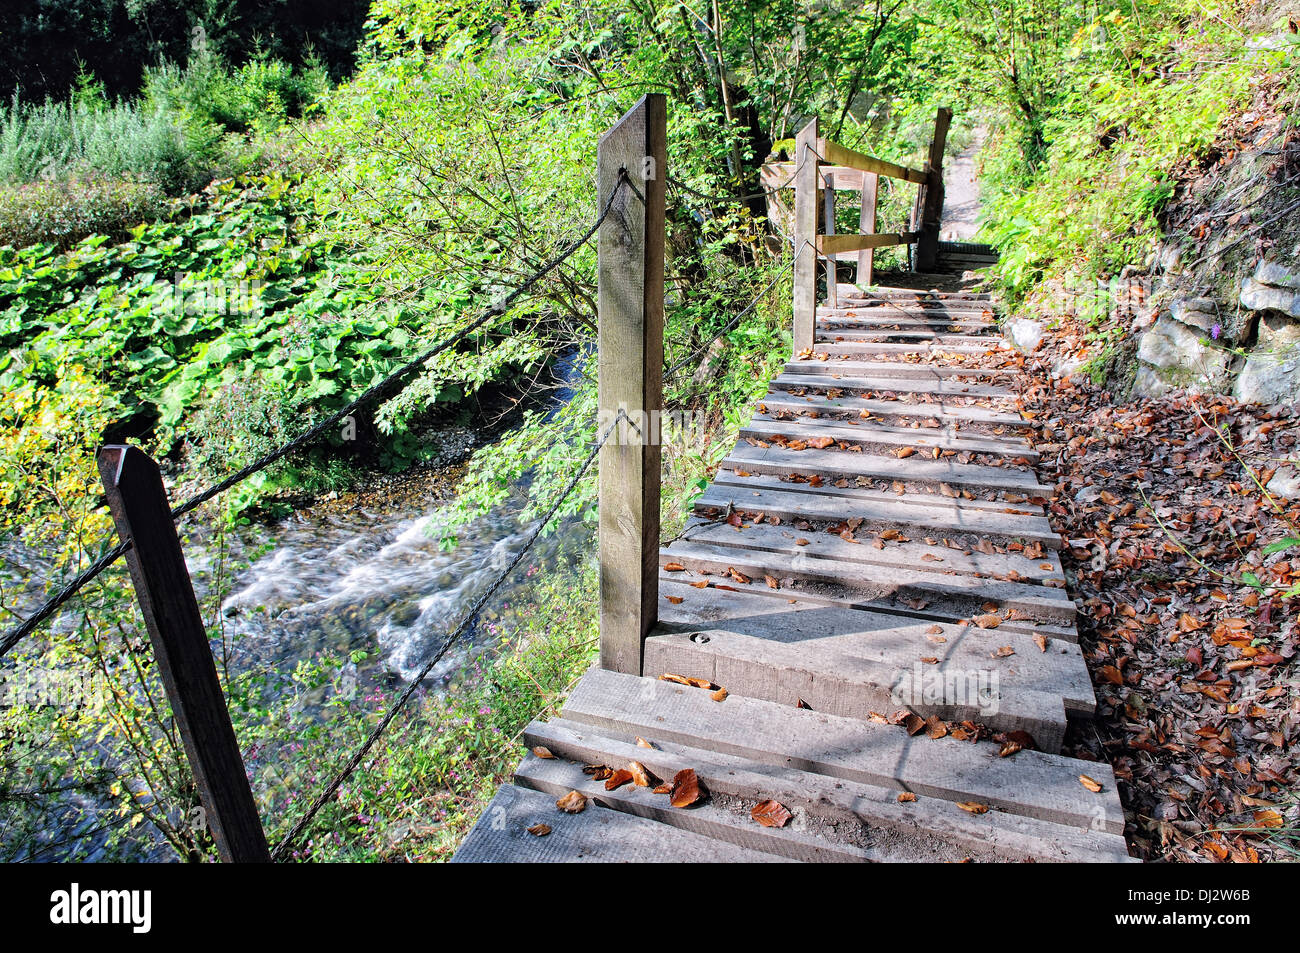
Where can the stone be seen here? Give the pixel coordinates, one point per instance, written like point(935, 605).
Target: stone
point(1279, 276)
point(1285, 484)
point(1026, 334)
point(1271, 376)
point(1200, 313)
point(1172, 355)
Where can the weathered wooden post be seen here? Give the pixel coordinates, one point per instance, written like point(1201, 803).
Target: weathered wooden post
point(138, 502)
point(805, 236)
point(867, 226)
point(828, 228)
point(631, 362)
point(930, 202)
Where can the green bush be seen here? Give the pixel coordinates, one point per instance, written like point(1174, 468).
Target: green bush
point(63, 212)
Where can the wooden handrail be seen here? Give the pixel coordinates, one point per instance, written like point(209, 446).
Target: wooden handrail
point(836, 154)
point(835, 244)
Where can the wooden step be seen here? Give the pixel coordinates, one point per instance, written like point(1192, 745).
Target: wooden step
point(955, 414)
point(927, 829)
point(940, 340)
point(883, 438)
point(900, 640)
point(889, 370)
point(1030, 601)
point(843, 347)
point(908, 470)
point(889, 293)
point(830, 319)
point(556, 777)
point(936, 610)
point(597, 835)
point(824, 377)
point(999, 567)
point(1031, 783)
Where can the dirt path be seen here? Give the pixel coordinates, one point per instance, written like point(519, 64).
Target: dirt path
point(961, 203)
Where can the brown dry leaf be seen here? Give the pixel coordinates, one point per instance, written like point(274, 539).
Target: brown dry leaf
point(686, 789)
point(676, 600)
point(1004, 651)
point(1041, 642)
point(543, 752)
point(973, 807)
point(540, 830)
point(575, 802)
point(929, 660)
point(674, 567)
point(663, 789)
point(719, 695)
point(702, 584)
point(1090, 784)
point(1009, 748)
point(772, 582)
point(598, 772)
point(642, 743)
point(801, 542)
point(678, 679)
point(1267, 818)
point(737, 575)
point(936, 727)
point(906, 797)
point(914, 723)
point(619, 778)
point(935, 630)
point(989, 620)
point(640, 776)
point(771, 814)
point(904, 452)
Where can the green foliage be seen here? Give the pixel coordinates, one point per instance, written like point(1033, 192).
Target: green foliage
point(64, 211)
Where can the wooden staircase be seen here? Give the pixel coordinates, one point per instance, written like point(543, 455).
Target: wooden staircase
point(873, 581)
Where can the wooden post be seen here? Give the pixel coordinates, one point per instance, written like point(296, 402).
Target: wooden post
point(931, 204)
point(828, 228)
point(805, 236)
point(138, 502)
point(867, 226)
point(630, 362)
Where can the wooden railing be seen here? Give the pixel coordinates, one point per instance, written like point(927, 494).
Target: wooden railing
point(820, 169)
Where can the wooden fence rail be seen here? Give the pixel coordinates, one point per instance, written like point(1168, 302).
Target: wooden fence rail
point(820, 169)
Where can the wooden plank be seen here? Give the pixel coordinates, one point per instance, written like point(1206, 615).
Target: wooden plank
point(838, 244)
point(909, 470)
point(956, 414)
point(597, 835)
point(928, 513)
point(837, 154)
point(894, 369)
point(927, 829)
point(775, 176)
point(844, 348)
point(952, 561)
point(882, 439)
point(923, 581)
point(882, 638)
point(630, 365)
point(805, 234)
point(938, 339)
point(954, 390)
point(138, 503)
point(1032, 783)
point(555, 777)
point(930, 610)
point(851, 685)
point(828, 228)
point(867, 226)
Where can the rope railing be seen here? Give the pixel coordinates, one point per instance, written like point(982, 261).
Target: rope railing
point(496, 310)
point(466, 623)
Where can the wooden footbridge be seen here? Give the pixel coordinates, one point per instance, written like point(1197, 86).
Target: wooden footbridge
point(865, 621)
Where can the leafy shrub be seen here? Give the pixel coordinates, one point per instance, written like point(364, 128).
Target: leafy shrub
point(63, 212)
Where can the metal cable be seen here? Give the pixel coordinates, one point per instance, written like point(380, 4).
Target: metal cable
point(50, 606)
point(296, 831)
point(731, 325)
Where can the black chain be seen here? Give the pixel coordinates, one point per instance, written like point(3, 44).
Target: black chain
point(466, 622)
point(496, 310)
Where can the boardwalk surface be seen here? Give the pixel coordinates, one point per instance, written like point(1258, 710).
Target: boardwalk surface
point(873, 580)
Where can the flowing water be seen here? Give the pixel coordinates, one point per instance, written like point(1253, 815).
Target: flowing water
point(366, 572)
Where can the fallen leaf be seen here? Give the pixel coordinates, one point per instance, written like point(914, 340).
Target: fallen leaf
point(540, 830)
point(771, 814)
point(686, 789)
point(619, 778)
point(906, 797)
point(973, 807)
point(575, 802)
point(640, 776)
point(1090, 784)
point(642, 743)
point(543, 752)
point(719, 695)
point(674, 567)
point(990, 620)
